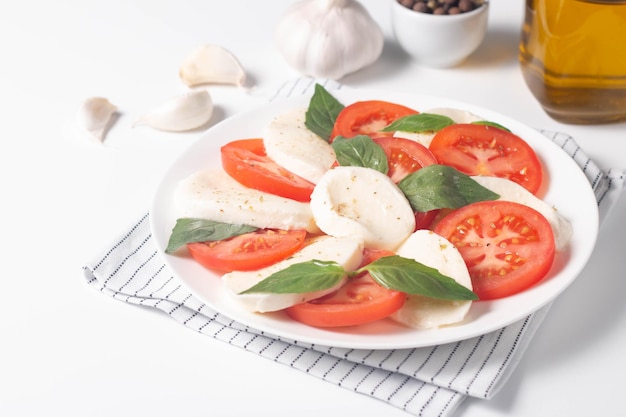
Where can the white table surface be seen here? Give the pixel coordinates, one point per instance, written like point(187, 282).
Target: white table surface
point(68, 350)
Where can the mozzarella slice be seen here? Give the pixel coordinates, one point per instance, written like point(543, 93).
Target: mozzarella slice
point(458, 116)
point(290, 144)
point(212, 194)
point(347, 251)
point(364, 203)
point(512, 191)
point(436, 252)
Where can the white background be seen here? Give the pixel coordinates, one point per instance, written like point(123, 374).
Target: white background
point(68, 350)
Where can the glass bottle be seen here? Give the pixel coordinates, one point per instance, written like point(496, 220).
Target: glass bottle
point(573, 58)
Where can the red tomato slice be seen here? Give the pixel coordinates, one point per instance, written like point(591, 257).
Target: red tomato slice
point(246, 161)
point(486, 150)
point(370, 255)
point(424, 219)
point(248, 251)
point(507, 246)
point(404, 157)
point(368, 118)
point(361, 300)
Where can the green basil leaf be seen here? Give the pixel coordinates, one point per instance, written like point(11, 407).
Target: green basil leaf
point(441, 186)
point(188, 230)
point(322, 112)
point(409, 276)
point(492, 124)
point(360, 151)
point(421, 122)
point(301, 278)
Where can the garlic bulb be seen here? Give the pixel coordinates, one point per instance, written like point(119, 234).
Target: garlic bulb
point(328, 38)
point(185, 112)
point(211, 64)
point(94, 116)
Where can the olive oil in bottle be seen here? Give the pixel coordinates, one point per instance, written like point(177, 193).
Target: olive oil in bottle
point(573, 58)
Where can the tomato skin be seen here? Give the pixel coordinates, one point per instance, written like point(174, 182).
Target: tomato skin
point(368, 117)
point(507, 247)
point(405, 156)
point(249, 251)
point(485, 150)
point(245, 160)
point(359, 301)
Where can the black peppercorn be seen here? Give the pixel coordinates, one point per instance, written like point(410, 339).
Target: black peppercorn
point(441, 7)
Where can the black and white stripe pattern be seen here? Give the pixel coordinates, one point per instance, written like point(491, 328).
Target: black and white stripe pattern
point(426, 382)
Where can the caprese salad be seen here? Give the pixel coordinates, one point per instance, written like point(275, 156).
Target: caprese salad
point(342, 215)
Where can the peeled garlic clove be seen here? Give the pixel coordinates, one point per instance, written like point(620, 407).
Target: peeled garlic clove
point(212, 64)
point(94, 115)
point(185, 112)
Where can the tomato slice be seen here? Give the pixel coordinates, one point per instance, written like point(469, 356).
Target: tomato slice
point(486, 150)
point(405, 156)
point(249, 251)
point(368, 118)
point(246, 161)
point(359, 301)
point(424, 219)
point(507, 246)
point(370, 255)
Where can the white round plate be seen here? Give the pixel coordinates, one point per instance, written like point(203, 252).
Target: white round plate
point(568, 190)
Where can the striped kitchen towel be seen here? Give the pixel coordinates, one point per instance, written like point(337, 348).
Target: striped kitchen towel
point(429, 382)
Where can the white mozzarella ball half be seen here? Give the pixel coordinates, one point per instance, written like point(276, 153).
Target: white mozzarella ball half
point(363, 203)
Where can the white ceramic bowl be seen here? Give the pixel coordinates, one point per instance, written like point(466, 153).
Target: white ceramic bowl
point(438, 40)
